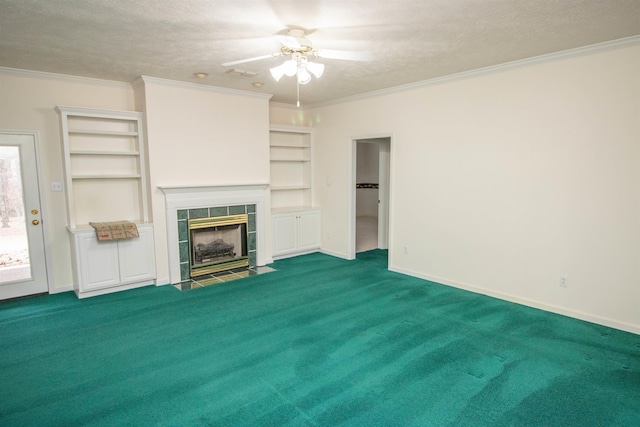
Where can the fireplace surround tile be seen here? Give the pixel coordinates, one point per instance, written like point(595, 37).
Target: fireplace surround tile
point(221, 277)
point(183, 233)
point(234, 210)
point(251, 242)
point(219, 211)
point(184, 271)
point(184, 252)
point(198, 213)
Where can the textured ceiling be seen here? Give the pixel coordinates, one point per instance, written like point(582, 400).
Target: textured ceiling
point(411, 40)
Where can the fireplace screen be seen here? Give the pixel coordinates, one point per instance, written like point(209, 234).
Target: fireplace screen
point(218, 244)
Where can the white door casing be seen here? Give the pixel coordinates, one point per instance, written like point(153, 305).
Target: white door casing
point(384, 193)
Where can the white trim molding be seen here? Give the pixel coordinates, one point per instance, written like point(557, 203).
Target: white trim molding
point(202, 87)
point(612, 323)
point(585, 50)
point(63, 77)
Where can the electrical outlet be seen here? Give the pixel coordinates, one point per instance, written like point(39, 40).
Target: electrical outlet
point(564, 282)
point(405, 250)
point(56, 186)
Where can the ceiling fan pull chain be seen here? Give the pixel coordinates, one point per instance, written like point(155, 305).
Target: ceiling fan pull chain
point(298, 92)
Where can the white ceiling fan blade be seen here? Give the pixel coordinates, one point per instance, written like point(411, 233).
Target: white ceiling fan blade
point(345, 54)
point(289, 41)
point(255, 58)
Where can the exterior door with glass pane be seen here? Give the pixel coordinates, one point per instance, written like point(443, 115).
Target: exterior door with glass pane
point(22, 259)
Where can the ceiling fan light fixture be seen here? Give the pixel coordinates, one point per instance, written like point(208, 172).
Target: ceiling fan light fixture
point(290, 67)
point(315, 68)
point(277, 72)
point(303, 75)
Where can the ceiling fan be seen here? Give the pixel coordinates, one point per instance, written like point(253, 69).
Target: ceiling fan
point(299, 48)
point(294, 42)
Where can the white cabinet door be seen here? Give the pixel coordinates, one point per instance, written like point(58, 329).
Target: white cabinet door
point(107, 266)
point(296, 232)
point(98, 263)
point(136, 256)
point(308, 230)
point(284, 234)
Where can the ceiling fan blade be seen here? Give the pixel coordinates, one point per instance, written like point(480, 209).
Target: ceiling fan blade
point(345, 54)
point(255, 58)
point(289, 41)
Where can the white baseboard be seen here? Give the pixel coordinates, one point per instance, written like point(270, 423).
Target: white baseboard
point(335, 254)
point(163, 281)
point(635, 329)
point(68, 288)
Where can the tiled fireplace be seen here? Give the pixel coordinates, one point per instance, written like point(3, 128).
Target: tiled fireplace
point(187, 208)
point(215, 239)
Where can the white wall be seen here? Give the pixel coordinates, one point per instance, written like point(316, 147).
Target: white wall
point(505, 181)
point(27, 102)
point(200, 136)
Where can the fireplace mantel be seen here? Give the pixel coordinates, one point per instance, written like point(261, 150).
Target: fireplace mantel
point(193, 197)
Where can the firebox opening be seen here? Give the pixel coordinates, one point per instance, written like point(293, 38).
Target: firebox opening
point(217, 244)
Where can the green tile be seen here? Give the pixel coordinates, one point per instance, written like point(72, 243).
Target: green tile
point(219, 211)
point(184, 251)
point(198, 213)
point(251, 208)
point(253, 259)
point(182, 214)
point(234, 210)
point(183, 233)
point(251, 242)
point(184, 271)
point(252, 222)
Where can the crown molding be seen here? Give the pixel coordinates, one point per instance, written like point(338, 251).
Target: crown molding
point(187, 85)
point(283, 105)
point(63, 77)
point(585, 50)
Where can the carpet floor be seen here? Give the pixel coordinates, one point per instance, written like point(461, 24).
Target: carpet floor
point(320, 342)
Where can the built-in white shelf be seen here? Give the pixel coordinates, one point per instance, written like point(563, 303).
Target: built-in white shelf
point(103, 153)
point(290, 187)
point(125, 176)
point(101, 132)
point(276, 159)
point(290, 155)
point(104, 162)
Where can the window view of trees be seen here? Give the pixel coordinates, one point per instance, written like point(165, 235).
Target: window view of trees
point(14, 250)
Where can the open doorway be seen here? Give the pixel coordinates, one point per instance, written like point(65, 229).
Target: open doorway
point(371, 194)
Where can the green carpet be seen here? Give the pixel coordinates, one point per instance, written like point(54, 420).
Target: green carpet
point(320, 342)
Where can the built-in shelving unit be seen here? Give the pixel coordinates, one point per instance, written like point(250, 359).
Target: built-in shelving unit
point(104, 163)
point(105, 180)
point(291, 179)
point(295, 221)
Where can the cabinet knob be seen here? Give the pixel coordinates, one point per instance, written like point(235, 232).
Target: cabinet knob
point(34, 211)
point(35, 222)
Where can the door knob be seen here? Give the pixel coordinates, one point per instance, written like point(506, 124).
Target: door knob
point(35, 222)
point(34, 211)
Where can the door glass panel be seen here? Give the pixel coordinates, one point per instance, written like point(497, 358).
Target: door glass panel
point(14, 245)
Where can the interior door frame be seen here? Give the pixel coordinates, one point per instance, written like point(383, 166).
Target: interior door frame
point(385, 199)
point(43, 212)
